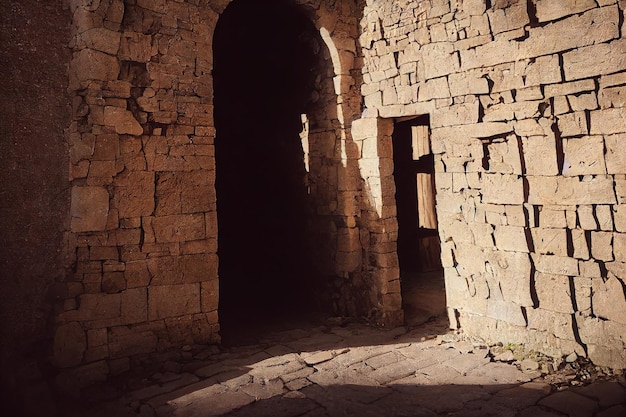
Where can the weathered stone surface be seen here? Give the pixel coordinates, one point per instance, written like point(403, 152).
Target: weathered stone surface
point(99, 39)
point(179, 228)
point(571, 191)
point(584, 156)
point(89, 64)
point(608, 121)
point(173, 300)
point(610, 58)
point(511, 238)
point(122, 121)
point(554, 9)
point(134, 194)
point(70, 343)
point(553, 292)
point(608, 299)
point(549, 241)
point(89, 209)
point(503, 189)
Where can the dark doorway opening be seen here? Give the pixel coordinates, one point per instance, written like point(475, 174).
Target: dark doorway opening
point(264, 76)
point(419, 250)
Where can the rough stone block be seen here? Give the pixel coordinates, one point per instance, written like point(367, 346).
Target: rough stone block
point(615, 160)
point(558, 265)
point(619, 217)
point(512, 272)
point(619, 247)
point(70, 343)
point(584, 156)
point(608, 121)
point(122, 121)
point(99, 39)
point(178, 228)
point(89, 64)
point(573, 124)
point(210, 295)
point(540, 155)
point(574, 87)
point(590, 61)
point(513, 17)
point(503, 189)
point(570, 190)
point(439, 59)
point(552, 218)
point(612, 97)
point(589, 28)
point(605, 220)
point(516, 216)
point(581, 102)
point(173, 301)
point(471, 82)
point(89, 209)
point(581, 246)
point(511, 238)
point(94, 307)
point(608, 299)
point(459, 114)
point(113, 282)
point(503, 156)
point(134, 306)
point(553, 292)
point(505, 311)
point(555, 9)
point(474, 7)
point(552, 322)
point(434, 88)
point(586, 218)
point(550, 241)
point(136, 274)
point(134, 194)
point(602, 245)
point(128, 341)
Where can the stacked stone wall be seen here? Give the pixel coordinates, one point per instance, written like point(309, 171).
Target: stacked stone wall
point(528, 122)
point(142, 171)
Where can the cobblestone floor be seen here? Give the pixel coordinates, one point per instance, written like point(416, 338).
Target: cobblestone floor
point(356, 370)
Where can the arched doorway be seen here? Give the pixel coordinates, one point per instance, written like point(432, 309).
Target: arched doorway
point(265, 60)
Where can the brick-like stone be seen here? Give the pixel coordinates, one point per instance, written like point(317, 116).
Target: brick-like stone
point(540, 155)
point(550, 241)
point(511, 238)
point(570, 190)
point(503, 189)
point(134, 306)
point(179, 227)
point(134, 194)
point(70, 343)
point(89, 209)
point(608, 299)
point(558, 265)
point(555, 9)
point(584, 156)
point(608, 121)
point(602, 245)
point(553, 292)
point(173, 301)
point(122, 121)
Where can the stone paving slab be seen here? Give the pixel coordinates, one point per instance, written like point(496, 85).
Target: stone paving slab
point(358, 370)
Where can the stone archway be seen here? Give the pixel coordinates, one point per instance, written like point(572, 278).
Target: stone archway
point(267, 66)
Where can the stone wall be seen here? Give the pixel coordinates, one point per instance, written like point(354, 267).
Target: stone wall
point(526, 104)
point(142, 169)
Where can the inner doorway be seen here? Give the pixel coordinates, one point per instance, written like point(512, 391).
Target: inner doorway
point(419, 250)
point(264, 76)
